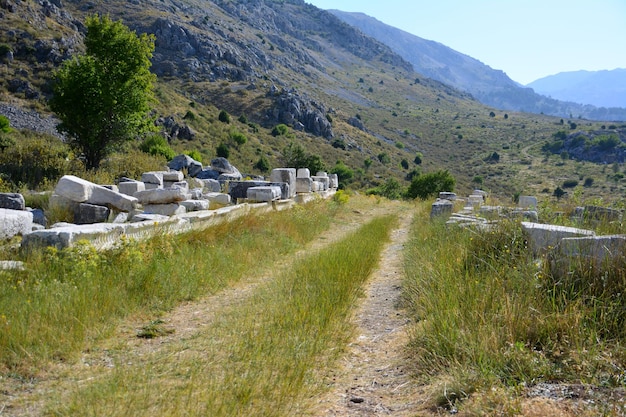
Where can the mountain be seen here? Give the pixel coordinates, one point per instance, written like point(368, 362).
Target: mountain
point(346, 97)
point(490, 86)
point(600, 88)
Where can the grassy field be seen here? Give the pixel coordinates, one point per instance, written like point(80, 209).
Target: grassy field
point(492, 319)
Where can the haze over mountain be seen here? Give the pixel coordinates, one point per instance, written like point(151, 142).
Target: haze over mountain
point(600, 88)
point(490, 86)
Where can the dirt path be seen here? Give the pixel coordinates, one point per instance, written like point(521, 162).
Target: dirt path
point(372, 379)
point(373, 363)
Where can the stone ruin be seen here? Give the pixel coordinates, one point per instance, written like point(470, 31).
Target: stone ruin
point(565, 246)
point(183, 197)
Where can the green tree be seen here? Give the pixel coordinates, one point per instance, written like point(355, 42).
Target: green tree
point(294, 156)
point(103, 97)
point(344, 174)
point(431, 184)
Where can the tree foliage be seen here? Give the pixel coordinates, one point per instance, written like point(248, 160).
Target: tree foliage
point(294, 156)
point(344, 174)
point(431, 184)
point(5, 129)
point(103, 97)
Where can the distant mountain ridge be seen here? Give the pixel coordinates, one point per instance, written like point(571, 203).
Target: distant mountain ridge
point(606, 88)
point(490, 86)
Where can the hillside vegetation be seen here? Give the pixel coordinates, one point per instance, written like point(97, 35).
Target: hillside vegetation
point(344, 97)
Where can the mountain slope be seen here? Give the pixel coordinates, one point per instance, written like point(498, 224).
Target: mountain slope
point(492, 87)
point(344, 95)
point(600, 88)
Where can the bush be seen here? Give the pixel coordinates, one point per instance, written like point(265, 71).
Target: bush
point(239, 138)
point(570, 183)
point(431, 184)
point(262, 164)
point(588, 182)
point(224, 117)
point(195, 154)
point(157, 145)
point(344, 174)
point(222, 150)
point(34, 161)
point(243, 119)
point(280, 130)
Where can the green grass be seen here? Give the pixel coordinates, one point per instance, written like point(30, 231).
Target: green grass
point(258, 358)
point(65, 300)
point(490, 316)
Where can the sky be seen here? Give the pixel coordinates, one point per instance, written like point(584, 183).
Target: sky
point(527, 39)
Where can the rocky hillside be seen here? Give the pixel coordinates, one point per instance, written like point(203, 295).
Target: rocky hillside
point(345, 96)
point(490, 86)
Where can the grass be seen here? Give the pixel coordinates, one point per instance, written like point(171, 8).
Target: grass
point(489, 316)
point(257, 358)
point(66, 300)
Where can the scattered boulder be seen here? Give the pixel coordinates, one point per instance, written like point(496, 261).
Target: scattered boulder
point(12, 201)
point(170, 209)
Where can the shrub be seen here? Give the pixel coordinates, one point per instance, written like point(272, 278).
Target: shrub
point(588, 182)
point(262, 164)
point(157, 145)
point(280, 130)
point(189, 115)
point(222, 150)
point(35, 160)
point(238, 137)
point(224, 117)
point(195, 154)
point(344, 174)
point(384, 158)
point(431, 184)
point(570, 183)
point(243, 119)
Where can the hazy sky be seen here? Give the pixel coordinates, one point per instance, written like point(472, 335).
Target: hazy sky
point(527, 39)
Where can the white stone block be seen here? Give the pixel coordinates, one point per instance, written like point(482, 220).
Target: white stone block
point(544, 237)
point(150, 186)
point(321, 174)
point(333, 181)
point(304, 185)
point(303, 173)
point(527, 202)
point(131, 187)
point(264, 193)
point(161, 196)
point(173, 176)
point(218, 198)
point(195, 205)
point(101, 196)
point(15, 222)
point(322, 179)
point(152, 178)
point(74, 188)
point(164, 209)
point(82, 191)
point(286, 175)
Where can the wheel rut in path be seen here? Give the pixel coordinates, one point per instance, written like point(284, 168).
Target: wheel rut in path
point(372, 379)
